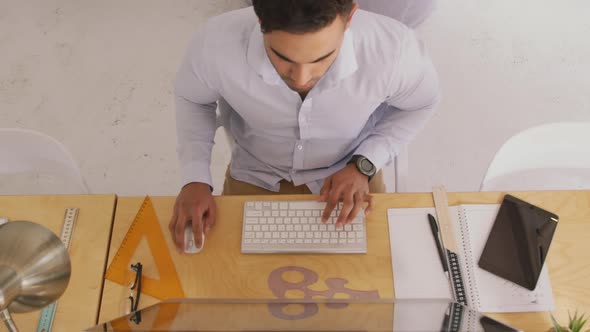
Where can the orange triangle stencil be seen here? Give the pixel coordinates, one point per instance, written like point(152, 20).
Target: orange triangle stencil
point(146, 225)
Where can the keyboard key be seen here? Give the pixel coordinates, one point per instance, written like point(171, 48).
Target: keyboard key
point(284, 205)
point(307, 205)
point(251, 220)
point(274, 206)
point(258, 205)
point(251, 213)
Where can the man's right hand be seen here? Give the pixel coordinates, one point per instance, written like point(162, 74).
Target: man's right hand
point(194, 205)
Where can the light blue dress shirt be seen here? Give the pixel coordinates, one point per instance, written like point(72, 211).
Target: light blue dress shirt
point(378, 93)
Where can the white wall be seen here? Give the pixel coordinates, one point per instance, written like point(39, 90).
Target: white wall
point(97, 76)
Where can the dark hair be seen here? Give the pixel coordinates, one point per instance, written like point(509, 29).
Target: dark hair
point(299, 16)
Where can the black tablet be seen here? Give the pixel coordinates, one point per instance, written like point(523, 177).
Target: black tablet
point(518, 242)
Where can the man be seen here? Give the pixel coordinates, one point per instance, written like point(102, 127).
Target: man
point(319, 97)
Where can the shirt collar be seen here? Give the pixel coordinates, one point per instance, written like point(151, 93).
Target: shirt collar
point(258, 59)
point(344, 65)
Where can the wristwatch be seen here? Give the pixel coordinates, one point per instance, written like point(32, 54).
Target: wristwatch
point(364, 165)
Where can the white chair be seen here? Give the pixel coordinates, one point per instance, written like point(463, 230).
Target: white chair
point(553, 156)
point(32, 163)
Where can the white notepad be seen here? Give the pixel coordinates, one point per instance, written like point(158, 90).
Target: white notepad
point(418, 273)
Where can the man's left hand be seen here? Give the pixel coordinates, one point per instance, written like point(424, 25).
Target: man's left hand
point(350, 186)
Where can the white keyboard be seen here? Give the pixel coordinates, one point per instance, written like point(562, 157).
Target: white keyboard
point(296, 227)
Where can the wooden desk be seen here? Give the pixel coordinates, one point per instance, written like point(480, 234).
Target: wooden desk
point(221, 271)
point(78, 307)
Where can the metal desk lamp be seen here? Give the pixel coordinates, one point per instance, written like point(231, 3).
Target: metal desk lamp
point(34, 269)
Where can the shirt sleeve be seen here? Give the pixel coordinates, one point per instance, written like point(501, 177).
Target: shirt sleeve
point(196, 103)
point(414, 95)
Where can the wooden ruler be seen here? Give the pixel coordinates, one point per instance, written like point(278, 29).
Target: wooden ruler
point(441, 205)
point(146, 225)
point(450, 244)
point(48, 313)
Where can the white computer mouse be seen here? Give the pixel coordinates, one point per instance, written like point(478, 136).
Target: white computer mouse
point(189, 241)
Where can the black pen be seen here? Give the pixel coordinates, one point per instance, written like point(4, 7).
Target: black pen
point(434, 229)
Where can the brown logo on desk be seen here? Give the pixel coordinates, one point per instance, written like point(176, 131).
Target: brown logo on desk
point(279, 287)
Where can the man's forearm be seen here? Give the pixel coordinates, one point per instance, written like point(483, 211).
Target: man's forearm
point(195, 127)
point(394, 130)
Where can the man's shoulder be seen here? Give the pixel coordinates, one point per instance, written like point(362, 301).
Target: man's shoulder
point(229, 29)
point(378, 36)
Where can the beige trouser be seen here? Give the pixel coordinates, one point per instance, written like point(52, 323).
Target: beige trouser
point(232, 186)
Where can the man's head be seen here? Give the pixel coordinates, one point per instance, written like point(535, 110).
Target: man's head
point(303, 37)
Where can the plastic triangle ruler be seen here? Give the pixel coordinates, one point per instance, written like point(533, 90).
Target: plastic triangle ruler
point(146, 225)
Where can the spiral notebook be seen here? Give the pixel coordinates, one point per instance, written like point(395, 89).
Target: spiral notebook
point(418, 272)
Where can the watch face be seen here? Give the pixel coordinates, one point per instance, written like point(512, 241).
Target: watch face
point(366, 166)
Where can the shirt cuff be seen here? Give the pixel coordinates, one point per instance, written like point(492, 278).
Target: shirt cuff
point(377, 150)
point(195, 172)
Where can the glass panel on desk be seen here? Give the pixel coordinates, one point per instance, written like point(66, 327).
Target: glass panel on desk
point(304, 315)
